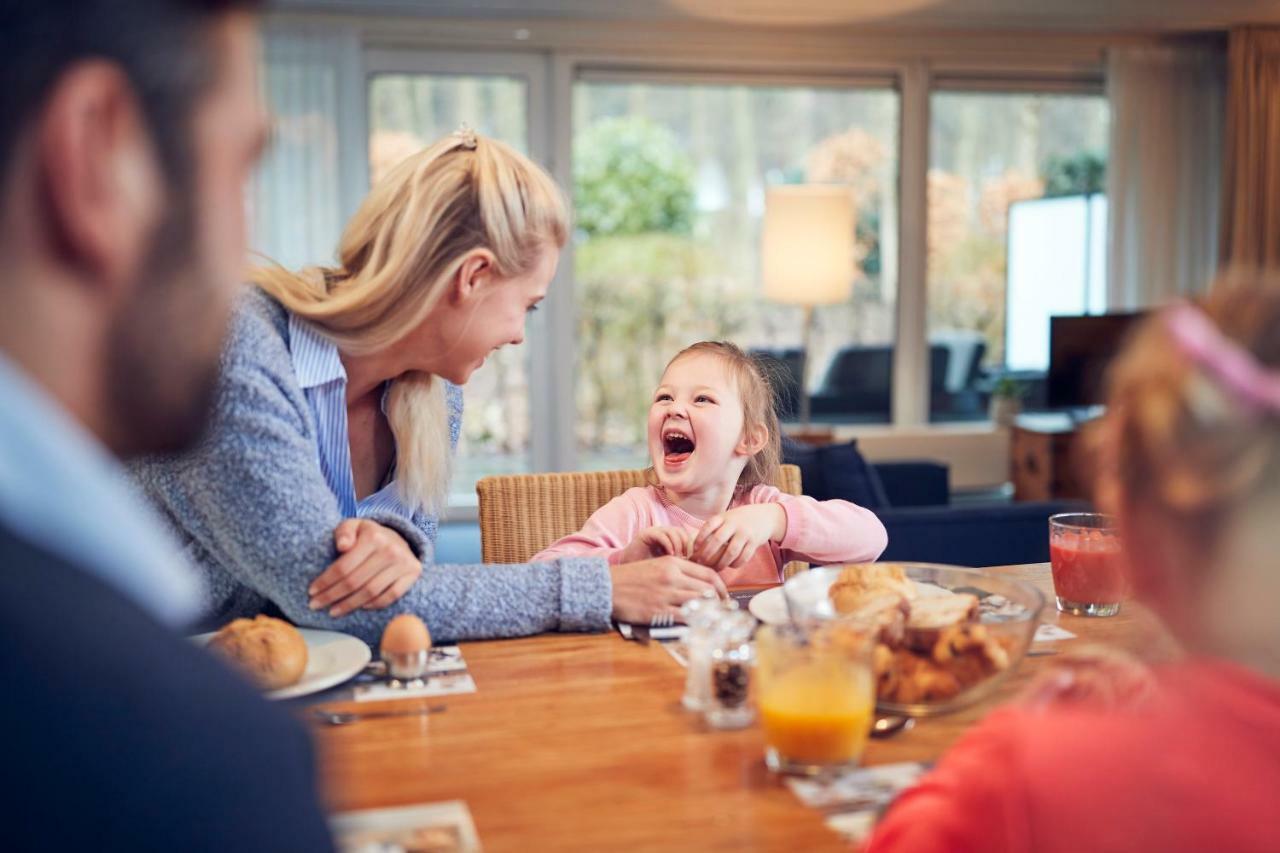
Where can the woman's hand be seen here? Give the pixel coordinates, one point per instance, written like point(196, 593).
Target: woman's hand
point(658, 586)
point(733, 537)
point(375, 567)
point(657, 541)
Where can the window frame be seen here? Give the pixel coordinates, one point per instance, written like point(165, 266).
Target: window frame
point(917, 65)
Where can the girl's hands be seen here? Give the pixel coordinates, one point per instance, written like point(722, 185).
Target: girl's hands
point(375, 568)
point(733, 537)
point(657, 542)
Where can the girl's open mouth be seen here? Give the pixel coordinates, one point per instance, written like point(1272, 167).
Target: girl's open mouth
point(677, 446)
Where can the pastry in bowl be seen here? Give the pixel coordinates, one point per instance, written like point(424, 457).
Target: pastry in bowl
point(270, 651)
point(933, 642)
point(860, 583)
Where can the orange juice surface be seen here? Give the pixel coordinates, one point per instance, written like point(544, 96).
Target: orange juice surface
point(816, 714)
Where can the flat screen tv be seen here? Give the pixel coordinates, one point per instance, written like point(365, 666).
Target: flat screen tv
point(1080, 348)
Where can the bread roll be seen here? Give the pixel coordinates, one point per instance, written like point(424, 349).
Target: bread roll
point(859, 583)
point(270, 651)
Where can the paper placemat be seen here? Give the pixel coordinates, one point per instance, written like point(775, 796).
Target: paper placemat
point(1048, 633)
point(446, 676)
point(448, 684)
point(444, 827)
point(854, 800)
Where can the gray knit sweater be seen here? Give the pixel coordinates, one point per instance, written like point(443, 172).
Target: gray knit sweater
point(254, 512)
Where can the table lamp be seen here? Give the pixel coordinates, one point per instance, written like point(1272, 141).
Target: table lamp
point(807, 255)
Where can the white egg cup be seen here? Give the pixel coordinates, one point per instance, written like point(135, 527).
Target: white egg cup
point(406, 669)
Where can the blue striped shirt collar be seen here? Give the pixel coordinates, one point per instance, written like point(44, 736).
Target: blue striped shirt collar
point(315, 357)
point(324, 382)
point(62, 491)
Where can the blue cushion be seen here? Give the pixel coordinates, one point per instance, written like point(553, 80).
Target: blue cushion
point(835, 471)
point(849, 477)
point(999, 534)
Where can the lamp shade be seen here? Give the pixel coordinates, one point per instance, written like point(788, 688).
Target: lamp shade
point(807, 244)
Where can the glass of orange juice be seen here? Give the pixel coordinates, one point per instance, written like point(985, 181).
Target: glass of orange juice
point(815, 694)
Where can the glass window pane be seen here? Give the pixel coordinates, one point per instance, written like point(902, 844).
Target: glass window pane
point(669, 192)
point(407, 112)
point(1016, 232)
point(293, 207)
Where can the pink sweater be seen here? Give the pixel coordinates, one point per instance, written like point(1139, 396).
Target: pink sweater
point(817, 532)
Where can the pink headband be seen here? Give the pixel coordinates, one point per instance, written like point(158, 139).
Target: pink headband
point(1199, 339)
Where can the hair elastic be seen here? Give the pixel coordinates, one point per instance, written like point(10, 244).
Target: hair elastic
point(1201, 341)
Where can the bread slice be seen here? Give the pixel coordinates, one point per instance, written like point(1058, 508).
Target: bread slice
point(932, 615)
point(859, 583)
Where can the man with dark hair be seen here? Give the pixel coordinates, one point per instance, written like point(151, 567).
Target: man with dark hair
point(127, 131)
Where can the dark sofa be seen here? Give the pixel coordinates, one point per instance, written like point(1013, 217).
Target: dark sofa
point(912, 499)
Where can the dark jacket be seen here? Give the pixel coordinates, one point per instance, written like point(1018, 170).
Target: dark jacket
point(120, 735)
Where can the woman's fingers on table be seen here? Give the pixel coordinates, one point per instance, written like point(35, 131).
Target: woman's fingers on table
point(377, 563)
point(651, 587)
point(705, 577)
point(393, 594)
point(378, 582)
point(344, 575)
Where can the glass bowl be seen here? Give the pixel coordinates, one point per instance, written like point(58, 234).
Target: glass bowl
point(1008, 609)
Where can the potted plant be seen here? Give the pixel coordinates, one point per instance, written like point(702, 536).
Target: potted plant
point(1006, 400)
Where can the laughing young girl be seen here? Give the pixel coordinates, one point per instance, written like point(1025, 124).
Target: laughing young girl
point(715, 445)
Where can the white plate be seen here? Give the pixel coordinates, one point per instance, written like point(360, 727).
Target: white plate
point(332, 658)
point(770, 606)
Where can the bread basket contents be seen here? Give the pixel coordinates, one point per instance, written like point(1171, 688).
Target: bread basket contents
point(270, 651)
point(929, 647)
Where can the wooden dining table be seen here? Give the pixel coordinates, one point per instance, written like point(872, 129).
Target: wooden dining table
point(580, 742)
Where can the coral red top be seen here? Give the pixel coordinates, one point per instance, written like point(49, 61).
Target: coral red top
point(1198, 769)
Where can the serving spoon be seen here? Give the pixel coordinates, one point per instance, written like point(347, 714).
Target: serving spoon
point(890, 725)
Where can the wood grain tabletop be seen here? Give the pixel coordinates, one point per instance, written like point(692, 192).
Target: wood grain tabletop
point(579, 742)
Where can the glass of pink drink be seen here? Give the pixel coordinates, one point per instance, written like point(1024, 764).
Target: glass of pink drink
point(1089, 576)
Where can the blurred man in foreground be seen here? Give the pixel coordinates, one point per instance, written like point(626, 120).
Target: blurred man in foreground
point(127, 130)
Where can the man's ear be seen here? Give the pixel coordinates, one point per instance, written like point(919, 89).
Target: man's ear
point(98, 175)
point(753, 440)
point(473, 275)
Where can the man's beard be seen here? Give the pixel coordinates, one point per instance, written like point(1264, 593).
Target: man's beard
point(162, 359)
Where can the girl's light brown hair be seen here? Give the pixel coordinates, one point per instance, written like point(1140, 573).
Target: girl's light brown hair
point(1179, 443)
point(396, 257)
point(758, 407)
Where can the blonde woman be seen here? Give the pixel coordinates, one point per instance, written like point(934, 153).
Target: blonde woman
point(318, 488)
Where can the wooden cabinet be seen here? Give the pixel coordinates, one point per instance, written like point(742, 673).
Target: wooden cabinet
point(1043, 460)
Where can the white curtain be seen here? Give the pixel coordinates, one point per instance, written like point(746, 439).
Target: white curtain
point(1164, 174)
point(295, 212)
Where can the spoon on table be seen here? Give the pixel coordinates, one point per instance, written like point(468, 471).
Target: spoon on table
point(890, 725)
point(346, 718)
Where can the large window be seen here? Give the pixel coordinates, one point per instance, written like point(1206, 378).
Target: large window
point(1016, 232)
point(407, 112)
point(669, 191)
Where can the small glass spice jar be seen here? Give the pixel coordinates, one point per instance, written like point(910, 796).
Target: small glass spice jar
point(732, 662)
point(702, 615)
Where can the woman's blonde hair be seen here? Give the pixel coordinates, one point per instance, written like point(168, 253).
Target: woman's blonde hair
point(758, 407)
point(1184, 442)
point(396, 257)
